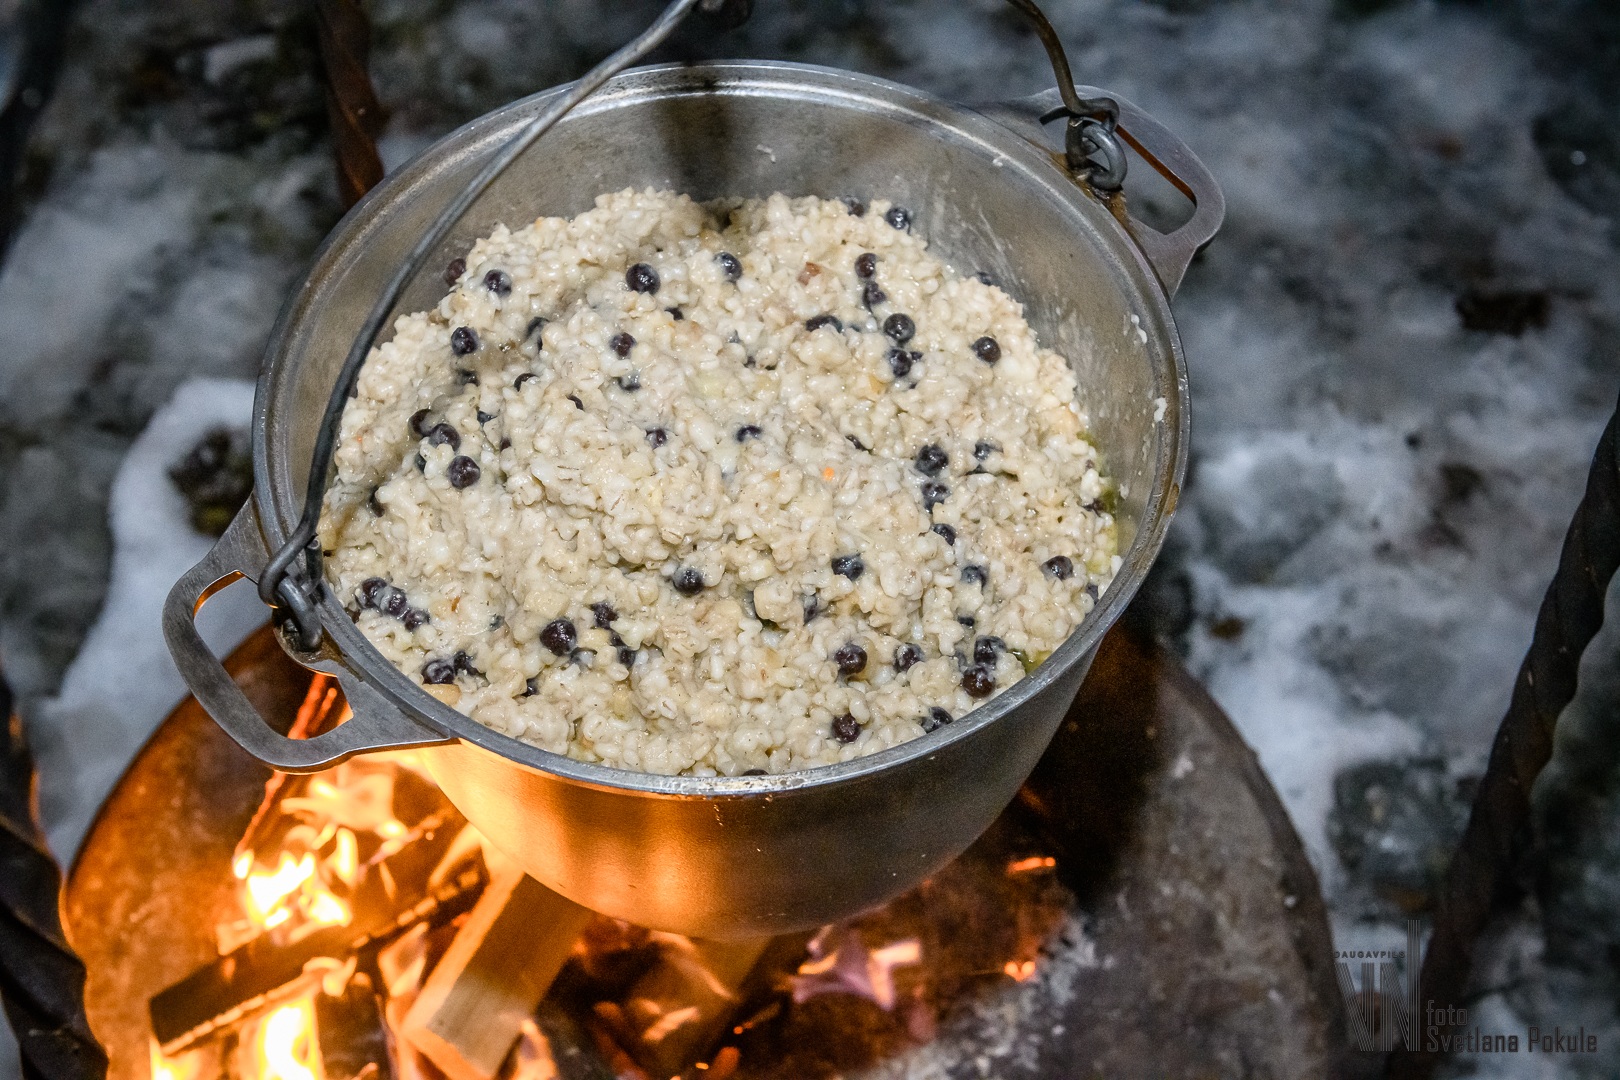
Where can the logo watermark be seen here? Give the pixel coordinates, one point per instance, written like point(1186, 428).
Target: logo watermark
point(1388, 1010)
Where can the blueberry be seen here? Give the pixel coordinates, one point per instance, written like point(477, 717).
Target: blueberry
point(936, 719)
point(498, 282)
point(966, 620)
point(850, 658)
point(527, 376)
point(629, 383)
point(371, 591)
point(819, 321)
point(463, 340)
point(983, 449)
point(985, 650)
point(466, 377)
point(621, 343)
point(866, 266)
point(536, 324)
point(1059, 566)
point(627, 656)
point(463, 472)
point(657, 437)
point(559, 636)
point(812, 608)
point(1091, 590)
point(900, 328)
point(931, 459)
point(395, 603)
point(907, 657)
point(531, 686)
point(974, 574)
point(642, 278)
point(462, 662)
point(418, 423)
point(979, 681)
point(603, 614)
point(934, 493)
point(454, 270)
point(421, 463)
point(688, 580)
point(900, 362)
point(855, 207)
point(438, 672)
point(944, 532)
point(442, 434)
point(850, 566)
point(730, 265)
point(872, 296)
point(898, 217)
point(484, 417)
point(845, 728)
point(985, 278)
point(675, 313)
point(414, 618)
point(987, 349)
point(749, 431)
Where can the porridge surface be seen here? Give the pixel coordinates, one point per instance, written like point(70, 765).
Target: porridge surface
point(753, 485)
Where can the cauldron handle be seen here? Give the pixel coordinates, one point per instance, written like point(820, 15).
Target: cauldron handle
point(241, 553)
point(1169, 253)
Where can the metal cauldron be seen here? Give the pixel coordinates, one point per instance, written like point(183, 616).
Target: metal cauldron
point(726, 857)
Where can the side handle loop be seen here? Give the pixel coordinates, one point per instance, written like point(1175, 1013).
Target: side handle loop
point(375, 725)
point(1169, 253)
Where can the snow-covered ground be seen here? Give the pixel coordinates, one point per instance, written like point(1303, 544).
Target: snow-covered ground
point(1403, 347)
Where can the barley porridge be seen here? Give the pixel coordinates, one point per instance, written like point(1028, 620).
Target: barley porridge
point(750, 486)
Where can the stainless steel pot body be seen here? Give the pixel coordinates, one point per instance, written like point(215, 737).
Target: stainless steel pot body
point(726, 857)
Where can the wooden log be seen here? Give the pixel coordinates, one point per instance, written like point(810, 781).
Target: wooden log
point(473, 1006)
point(681, 1007)
point(242, 982)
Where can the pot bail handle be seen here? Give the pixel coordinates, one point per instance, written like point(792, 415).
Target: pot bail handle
point(240, 553)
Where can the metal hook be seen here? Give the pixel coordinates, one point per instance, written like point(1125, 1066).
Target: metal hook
point(1091, 146)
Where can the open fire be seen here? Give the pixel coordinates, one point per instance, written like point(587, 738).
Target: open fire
point(380, 937)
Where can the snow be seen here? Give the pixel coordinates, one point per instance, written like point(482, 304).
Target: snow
point(1377, 493)
point(123, 682)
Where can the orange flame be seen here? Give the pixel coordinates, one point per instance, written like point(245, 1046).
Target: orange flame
point(285, 1047)
point(1019, 970)
point(1034, 862)
point(186, 1066)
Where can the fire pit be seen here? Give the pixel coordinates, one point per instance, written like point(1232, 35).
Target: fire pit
point(1144, 907)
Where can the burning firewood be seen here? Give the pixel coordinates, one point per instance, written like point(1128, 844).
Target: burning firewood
point(474, 1005)
point(677, 1010)
point(260, 973)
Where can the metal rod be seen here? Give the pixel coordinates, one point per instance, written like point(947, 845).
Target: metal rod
point(276, 586)
point(41, 978)
point(1480, 878)
point(353, 112)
